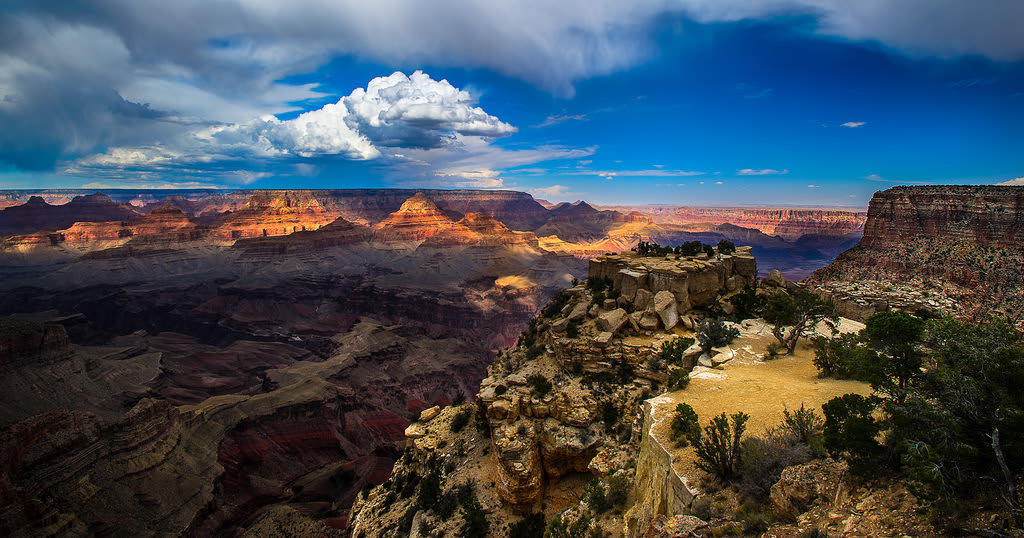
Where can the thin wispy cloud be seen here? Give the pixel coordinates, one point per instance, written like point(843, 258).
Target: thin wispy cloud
point(854, 124)
point(876, 177)
point(761, 172)
point(556, 119)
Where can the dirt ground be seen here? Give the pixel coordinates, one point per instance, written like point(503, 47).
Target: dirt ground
point(761, 389)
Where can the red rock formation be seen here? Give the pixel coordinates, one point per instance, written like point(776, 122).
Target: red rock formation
point(480, 229)
point(270, 213)
point(580, 222)
point(416, 220)
point(338, 233)
point(989, 216)
point(790, 224)
point(965, 242)
point(36, 214)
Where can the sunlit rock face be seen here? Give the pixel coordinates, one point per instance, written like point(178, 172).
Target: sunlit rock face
point(789, 224)
point(941, 249)
point(416, 220)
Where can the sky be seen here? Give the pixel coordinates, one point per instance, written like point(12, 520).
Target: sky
point(684, 102)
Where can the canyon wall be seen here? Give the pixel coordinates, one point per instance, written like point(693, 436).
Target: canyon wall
point(959, 247)
point(790, 224)
point(987, 216)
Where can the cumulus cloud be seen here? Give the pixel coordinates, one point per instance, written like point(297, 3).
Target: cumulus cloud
point(1016, 181)
point(413, 122)
point(760, 172)
point(854, 124)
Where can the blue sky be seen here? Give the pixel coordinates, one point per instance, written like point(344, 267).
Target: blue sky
point(802, 102)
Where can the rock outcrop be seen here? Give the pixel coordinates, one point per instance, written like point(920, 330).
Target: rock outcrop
point(36, 215)
point(946, 249)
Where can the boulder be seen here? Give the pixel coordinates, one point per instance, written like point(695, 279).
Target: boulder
point(609, 304)
point(705, 361)
point(602, 339)
point(415, 431)
point(515, 379)
point(643, 299)
point(559, 326)
point(721, 355)
point(732, 283)
point(648, 321)
point(630, 281)
point(665, 307)
point(428, 414)
point(594, 311)
point(775, 278)
point(612, 321)
point(579, 312)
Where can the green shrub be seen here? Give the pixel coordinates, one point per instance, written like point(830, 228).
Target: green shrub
point(747, 303)
point(806, 425)
point(850, 430)
point(460, 420)
point(459, 399)
point(618, 490)
point(726, 247)
point(719, 449)
point(594, 493)
point(540, 384)
point(678, 379)
point(430, 491)
point(530, 526)
point(672, 350)
point(474, 521)
point(500, 389)
point(685, 425)
point(713, 332)
point(572, 329)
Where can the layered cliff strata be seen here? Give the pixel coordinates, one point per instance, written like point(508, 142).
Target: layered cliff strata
point(957, 245)
point(562, 406)
point(306, 438)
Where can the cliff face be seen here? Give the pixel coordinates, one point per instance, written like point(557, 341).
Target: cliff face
point(789, 224)
point(36, 214)
point(960, 244)
point(987, 216)
point(563, 406)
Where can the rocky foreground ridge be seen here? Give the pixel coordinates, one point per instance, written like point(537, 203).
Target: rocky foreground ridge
point(944, 249)
point(564, 405)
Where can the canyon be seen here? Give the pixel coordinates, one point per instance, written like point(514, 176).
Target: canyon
point(226, 360)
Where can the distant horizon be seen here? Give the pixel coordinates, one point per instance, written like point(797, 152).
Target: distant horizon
point(213, 190)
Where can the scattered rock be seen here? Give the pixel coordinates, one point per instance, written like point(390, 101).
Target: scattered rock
point(428, 414)
point(610, 304)
point(602, 339)
point(801, 486)
point(515, 379)
point(560, 325)
point(665, 306)
point(675, 527)
point(579, 312)
point(648, 321)
point(612, 321)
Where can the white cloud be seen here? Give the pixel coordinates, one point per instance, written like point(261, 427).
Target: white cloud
point(760, 172)
point(555, 119)
point(415, 123)
point(813, 186)
point(719, 183)
point(854, 124)
point(556, 192)
point(1017, 181)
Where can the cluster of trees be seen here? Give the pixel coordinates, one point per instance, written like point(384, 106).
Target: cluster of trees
point(689, 248)
point(946, 401)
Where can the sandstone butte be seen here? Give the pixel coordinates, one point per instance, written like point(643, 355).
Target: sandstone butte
point(947, 250)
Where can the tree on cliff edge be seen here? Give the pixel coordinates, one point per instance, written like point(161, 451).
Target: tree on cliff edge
point(801, 311)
